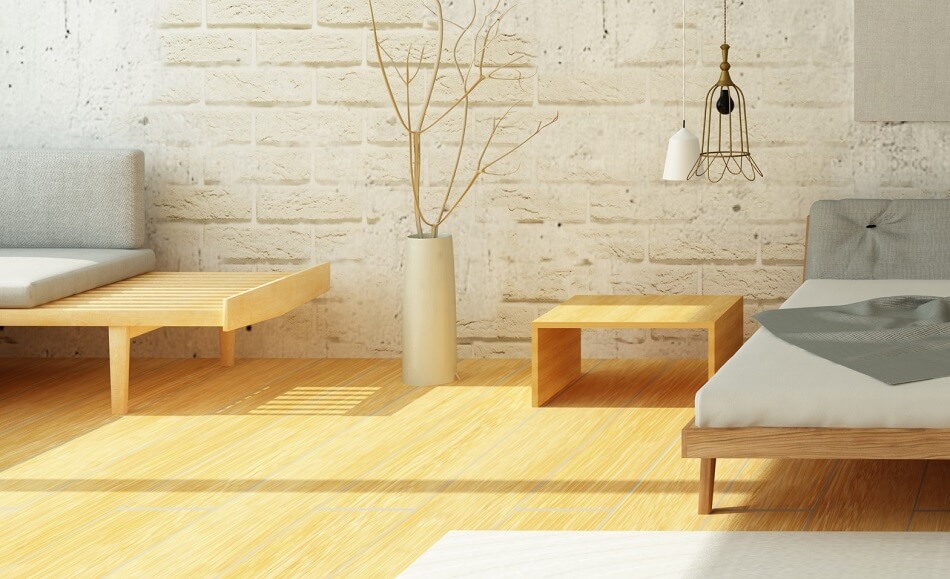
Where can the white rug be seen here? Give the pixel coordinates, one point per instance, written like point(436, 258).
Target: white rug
point(685, 554)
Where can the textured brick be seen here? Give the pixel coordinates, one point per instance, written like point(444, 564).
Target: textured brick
point(533, 203)
point(278, 127)
point(357, 87)
point(177, 87)
point(782, 125)
point(259, 86)
point(202, 204)
point(357, 12)
point(614, 245)
point(782, 244)
point(188, 126)
point(493, 91)
point(384, 165)
point(258, 166)
point(765, 283)
point(512, 350)
point(271, 243)
point(290, 153)
point(702, 241)
point(654, 279)
point(382, 127)
point(505, 49)
point(180, 12)
point(621, 86)
point(507, 321)
point(289, 13)
point(311, 205)
point(307, 47)
point(796, 85)
point(803, 32)
point(614, 204)
point(334, 242)
point(800, 166)
point(180, 47)
point(177, 246)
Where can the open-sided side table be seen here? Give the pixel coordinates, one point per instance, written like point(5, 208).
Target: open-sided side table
point(556, 336)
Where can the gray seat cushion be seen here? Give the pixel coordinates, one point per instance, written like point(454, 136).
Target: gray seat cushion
point(31, 277)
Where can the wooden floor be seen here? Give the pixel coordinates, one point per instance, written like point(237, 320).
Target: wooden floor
point(320, 467)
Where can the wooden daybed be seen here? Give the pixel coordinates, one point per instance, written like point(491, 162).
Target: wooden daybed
point(150, 301)
point(898, 243)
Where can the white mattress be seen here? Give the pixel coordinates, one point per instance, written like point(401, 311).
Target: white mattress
point(770, 382)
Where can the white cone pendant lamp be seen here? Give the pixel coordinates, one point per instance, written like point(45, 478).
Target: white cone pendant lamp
point(683, 149)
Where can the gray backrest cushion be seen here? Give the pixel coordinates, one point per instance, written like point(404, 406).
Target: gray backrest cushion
point(910, 239)
point(72, 198)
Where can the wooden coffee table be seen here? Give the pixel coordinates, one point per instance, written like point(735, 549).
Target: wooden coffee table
point(556, 336)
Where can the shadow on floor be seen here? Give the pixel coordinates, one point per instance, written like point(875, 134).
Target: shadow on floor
point(635, 384)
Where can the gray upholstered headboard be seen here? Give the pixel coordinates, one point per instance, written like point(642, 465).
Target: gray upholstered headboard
point(72, 198)
point(879, 239)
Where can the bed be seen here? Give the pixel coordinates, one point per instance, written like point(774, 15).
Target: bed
point(775, 400)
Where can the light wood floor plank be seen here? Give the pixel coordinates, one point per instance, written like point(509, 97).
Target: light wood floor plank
point(729, 520)
point(308, 467)
point(869, 495)
point(102, 545)
point(931, 521)
point(543, 520)
point(935, 492)
point(776, 485)
point(317, 543)
point(666, 497)
point(520, 464)
point(605, 470)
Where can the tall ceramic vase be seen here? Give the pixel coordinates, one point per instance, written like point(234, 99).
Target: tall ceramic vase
point(428, 313)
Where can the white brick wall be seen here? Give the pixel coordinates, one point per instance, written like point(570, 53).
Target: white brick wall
point(270, 145)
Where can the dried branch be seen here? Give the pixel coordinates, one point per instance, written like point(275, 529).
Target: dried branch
point(463, 77)
point(436, 14)
point(471, 75)
point(436, 65)
point(483, 168)
point(482, 78)
point(389, 88)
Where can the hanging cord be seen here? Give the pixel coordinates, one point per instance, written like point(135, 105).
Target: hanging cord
point(724, 21)
point(684, 64)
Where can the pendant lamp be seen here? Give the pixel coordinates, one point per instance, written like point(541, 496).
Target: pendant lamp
point(725, 141)
point(683, 149)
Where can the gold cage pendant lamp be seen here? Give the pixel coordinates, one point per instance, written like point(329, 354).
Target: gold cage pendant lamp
point(725, 140)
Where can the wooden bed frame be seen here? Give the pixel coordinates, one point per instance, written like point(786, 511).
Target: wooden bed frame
point(708, 444)
point(150, 301)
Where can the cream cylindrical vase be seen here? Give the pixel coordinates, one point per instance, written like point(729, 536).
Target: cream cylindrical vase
point(429, 355)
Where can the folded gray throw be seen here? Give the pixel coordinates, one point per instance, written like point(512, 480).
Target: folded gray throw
point(896, 339)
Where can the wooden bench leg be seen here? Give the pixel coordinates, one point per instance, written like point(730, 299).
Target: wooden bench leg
point(707, 480)
point(227, 348)
point(120, 350)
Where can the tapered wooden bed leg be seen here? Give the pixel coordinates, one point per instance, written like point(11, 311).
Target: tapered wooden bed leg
point(707, 480)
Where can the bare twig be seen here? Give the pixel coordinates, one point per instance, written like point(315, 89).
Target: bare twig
point(483, 168)
point(471, 75)
point(446, 20)
point(389, 88)
point(482, 78)
point(463, 78)
point(436, 65)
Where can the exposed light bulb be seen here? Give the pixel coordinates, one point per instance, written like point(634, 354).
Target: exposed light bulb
point(725, 104)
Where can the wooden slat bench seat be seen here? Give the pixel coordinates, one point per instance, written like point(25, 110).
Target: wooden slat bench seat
point(138, 305)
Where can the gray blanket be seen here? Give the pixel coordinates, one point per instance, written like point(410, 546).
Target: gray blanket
point(896, 339)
